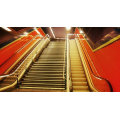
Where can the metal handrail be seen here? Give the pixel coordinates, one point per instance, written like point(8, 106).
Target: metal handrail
point(7, 75)
point(98, 77)
point(65, 67)
point(69, 58)
point(68, 66)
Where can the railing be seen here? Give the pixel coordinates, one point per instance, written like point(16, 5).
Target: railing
point(105, 84)
point(68, 66)
point(65, 59)
point(6, 75)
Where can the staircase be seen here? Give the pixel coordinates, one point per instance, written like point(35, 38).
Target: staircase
point(79, 80)
point(47, 73)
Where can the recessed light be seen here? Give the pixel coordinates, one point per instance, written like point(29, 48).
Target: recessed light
point(7, 29)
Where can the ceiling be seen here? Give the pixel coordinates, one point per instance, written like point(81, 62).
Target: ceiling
point(94, 33)
point(59, 32)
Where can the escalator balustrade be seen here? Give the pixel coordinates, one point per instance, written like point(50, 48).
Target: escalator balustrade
point(79, 80)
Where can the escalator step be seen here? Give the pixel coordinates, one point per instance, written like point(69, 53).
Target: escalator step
point(80, 88)
point(78, 75)
point(79, 83)
point(81, 91)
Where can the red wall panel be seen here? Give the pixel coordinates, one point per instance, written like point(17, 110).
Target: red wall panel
point(14, 58)
point(41, 32)
point(106, 62)
point(33, 33)
point(7, 52)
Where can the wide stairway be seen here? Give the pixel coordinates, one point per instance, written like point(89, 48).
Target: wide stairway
point(48, 72)
point(79, 80)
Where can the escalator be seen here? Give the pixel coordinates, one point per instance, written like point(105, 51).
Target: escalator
point(48, 72)
point(79, 80)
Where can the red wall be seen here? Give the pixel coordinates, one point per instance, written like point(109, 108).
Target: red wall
point(106, 62)
point(34, 33)
point(5, 60)
point(41, 32)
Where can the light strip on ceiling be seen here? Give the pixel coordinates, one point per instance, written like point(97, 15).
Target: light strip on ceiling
point(52, 32)
point(7, 29)
point(26, 33)
point(68, 28)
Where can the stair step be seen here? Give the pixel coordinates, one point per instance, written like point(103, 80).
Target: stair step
point(50, 59)
point(50, 62)
point(43, 84)
point(33, 71)
point(55, 56)
point(42, 80)
point(48, 69)
point(44, 88)
point(53, 53)
point(47, 64)
point(44, 75)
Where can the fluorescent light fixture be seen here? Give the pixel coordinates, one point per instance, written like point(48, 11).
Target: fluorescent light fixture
point(25, 33)
point(68, 28)
point(52, 32)
point(48, 35)
point(7, 29)
point(81, 31)
point(36, 30)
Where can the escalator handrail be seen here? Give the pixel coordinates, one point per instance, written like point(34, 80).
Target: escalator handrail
point(7, 75)
point(98, 77)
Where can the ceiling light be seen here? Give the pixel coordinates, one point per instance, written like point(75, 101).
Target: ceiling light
point(25, 33)
point(68, 28)
point(52, 32)
point(7, 29)
point(81, 31)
